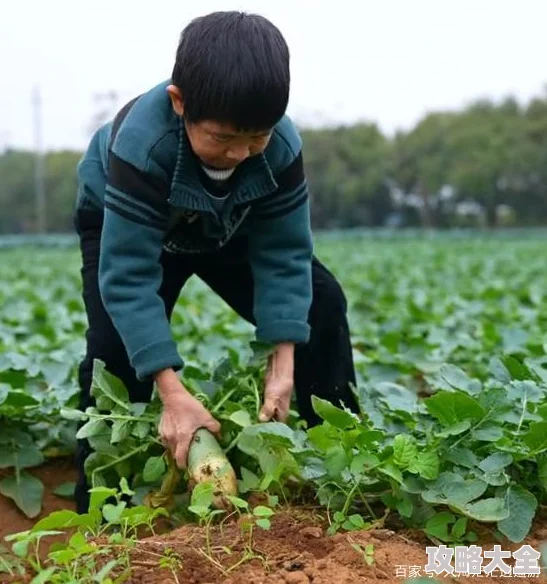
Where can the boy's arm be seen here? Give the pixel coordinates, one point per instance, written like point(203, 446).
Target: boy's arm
point(130, 273)
point(281, 252)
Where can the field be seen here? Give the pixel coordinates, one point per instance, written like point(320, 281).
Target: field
point(450, 448)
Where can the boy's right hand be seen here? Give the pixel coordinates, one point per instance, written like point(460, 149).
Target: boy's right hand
point(182, 416)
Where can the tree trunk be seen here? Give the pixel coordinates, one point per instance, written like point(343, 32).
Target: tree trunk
point(425, 210)
point(491, 214)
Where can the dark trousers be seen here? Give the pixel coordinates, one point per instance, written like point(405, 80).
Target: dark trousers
point(323, 366)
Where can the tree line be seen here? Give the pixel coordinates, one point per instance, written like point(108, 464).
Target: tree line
point(482, 165)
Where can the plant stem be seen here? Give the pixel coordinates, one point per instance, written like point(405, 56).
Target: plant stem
point(218, 565)
point(256, 394)
point(524, 404)
point(364, 499)
point(467, 432)
point(223, 400)
point(349, 498)
point(6, 567)
point(246, 556)
point(175, 575)
point(36, 554)
point(250, 544)
point(75, 570)
point(120, 459)
point(122, 417)
point(232, 444)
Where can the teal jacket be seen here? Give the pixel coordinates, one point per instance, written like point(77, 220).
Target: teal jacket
point(141, 174)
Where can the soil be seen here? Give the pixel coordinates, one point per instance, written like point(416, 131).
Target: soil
point(295, 550)
point(53, 473)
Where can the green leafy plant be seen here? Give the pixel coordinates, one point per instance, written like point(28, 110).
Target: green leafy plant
point(201, 505)
point(451, 360)
point(109, 530)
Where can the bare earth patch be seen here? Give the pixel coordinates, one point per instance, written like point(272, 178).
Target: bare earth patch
point(295, 550)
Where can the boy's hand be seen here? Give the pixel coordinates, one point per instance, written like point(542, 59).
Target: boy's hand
point(182, 416)
point(279, 384)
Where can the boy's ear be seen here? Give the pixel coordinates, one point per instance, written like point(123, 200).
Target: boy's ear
point(176, 99)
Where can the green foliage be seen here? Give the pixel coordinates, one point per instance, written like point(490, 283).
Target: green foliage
point(17, 190)
point(451, 357)
point(108, 530)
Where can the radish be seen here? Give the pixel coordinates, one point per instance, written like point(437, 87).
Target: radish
point(207, 463)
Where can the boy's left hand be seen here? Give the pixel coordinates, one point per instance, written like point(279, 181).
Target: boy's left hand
point(279, 384)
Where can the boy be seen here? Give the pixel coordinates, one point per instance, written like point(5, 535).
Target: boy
point(203, 175)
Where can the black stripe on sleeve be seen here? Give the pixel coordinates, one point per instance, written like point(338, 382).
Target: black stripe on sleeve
point(132, 203)
point(285, 210)
point(282, 200)
point(130, 216)
point(119, 118)
point(289, 178)
point(143, 186)
point(289, 184)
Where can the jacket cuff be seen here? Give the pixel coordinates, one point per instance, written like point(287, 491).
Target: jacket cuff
point(283, 331)
point(155, 357)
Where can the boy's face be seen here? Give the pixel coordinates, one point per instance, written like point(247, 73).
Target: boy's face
point(220, 145)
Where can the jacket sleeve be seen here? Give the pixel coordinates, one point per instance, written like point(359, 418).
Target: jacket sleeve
point(130, 273)
point(281, 250)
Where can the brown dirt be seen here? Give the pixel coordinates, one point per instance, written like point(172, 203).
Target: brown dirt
point(296, 550)
point(53, 473)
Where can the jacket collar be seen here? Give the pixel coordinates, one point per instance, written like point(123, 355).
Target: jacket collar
point(254, 179)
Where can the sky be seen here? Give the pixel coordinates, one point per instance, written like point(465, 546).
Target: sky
point(382, 61)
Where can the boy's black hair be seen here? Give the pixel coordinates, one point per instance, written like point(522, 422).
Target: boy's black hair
point(233, 67)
